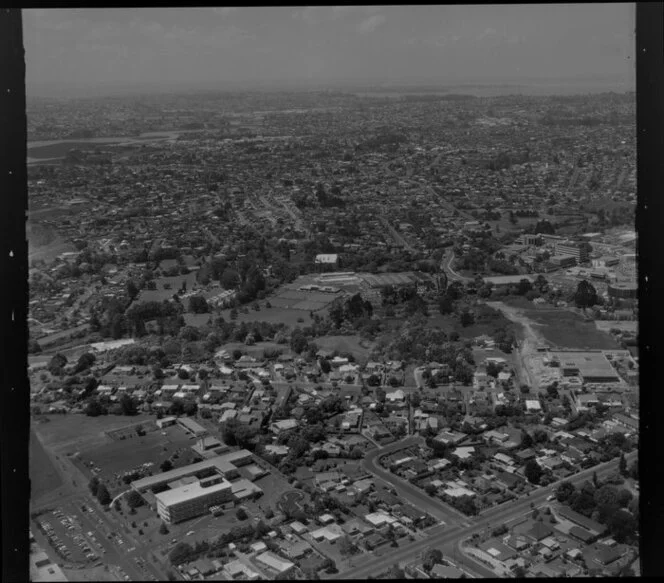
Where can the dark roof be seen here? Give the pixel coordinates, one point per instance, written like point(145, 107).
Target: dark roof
point(607, 554)
point(581, 520)
point(581, 533)
point(540, 531)
point(509, 479)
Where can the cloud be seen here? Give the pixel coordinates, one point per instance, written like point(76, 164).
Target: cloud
point(369, 25)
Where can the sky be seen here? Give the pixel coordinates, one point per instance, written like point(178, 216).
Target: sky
point(102, 50)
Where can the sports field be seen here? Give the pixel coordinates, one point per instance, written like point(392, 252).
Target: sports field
point(80, 432)
point(130, 453)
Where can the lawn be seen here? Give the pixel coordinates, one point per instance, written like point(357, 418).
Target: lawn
point(160, 294)
point(198, 320)
point(273, 315)
point(257, 349)
point(44, 477)
point(120, 456)
point(360, 349)
point(80, 431)
point(569, 330)
point(563, 328)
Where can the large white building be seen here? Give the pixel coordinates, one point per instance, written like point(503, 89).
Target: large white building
point(190, 491)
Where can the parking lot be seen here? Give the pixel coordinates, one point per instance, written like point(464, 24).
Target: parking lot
point(69, 539)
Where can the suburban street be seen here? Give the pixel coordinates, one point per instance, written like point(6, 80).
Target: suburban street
point(448, 539)
point(405, 490)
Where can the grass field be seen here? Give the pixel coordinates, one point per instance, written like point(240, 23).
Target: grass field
point(160, 294)
point(257, 349)
point(197, 320)
point(120, 456)
point(80, 432)
point(626, 326)
point(273, 315)
point(44, 477)
point(360, 349)
point(564, 328)
point(58, 149)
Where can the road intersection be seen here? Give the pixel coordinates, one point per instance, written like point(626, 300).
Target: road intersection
point(448, 538)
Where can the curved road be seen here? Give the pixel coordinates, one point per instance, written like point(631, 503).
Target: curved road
point(448, 539)
point(405, 489)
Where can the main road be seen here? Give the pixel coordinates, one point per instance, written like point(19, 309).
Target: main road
point(448, 539)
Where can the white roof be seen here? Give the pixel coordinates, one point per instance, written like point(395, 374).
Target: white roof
point(273, 561)
point(190, 492)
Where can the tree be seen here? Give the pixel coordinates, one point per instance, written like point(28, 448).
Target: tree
point(166, 466)
point(181, 553)
point(198, 305)
point(431, 558)
point(622, 526)
point(93, 485)
point(325, 365)
point(103, 495)
point(346, 546)
point(467, 318)
point(163, 529)
point(127, 405)
point(585, 295)
point(230, 279)
point(132, 290)
point(396, 572)
point(134, 499)
point(445, 305)
point(622, 465)
point(526, 440)
point(241, 514)
point(524, 287)
point(56, 364)
point(565, 491)
point(94, 408)
point(533, 472)
point(85, 361)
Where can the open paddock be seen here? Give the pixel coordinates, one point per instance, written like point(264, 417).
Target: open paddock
point(257, 349)
point(360, 349)
point(273, 315)
point(80, 432)
point(128, 454)
point(623, 326)
point(198, 320)
point(567, 329)
point(44, 477)
point(175, 283)
point(309, 306)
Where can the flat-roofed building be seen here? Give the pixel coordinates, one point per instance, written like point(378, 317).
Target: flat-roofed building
point(225, 465)
point(274, 563)
point(190, 426)
point(592, 366)
point(506, 280)
point(191, 500)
